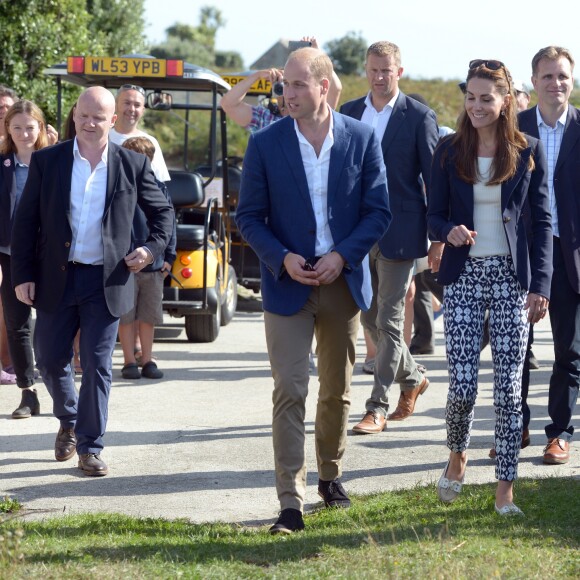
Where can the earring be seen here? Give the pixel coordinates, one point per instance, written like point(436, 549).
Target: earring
point(503, 112)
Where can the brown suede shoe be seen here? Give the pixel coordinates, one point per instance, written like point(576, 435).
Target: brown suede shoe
point(525, 443)
point(407, 399)
point(557, 451)
point(65, 445)
point(93, 465)
point(371, 423)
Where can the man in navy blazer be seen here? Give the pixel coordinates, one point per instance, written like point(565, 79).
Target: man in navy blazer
point(71, 260)
point(557, 124)
point(313, 200)
point(408, 134)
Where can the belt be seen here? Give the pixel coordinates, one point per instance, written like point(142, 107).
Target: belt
point(81, 265)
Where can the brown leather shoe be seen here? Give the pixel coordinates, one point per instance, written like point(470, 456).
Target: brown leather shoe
point(65, 445)
point(371, 423)
point(526, 440)
point(557, 451)
point(92, 464)
point(407, 399)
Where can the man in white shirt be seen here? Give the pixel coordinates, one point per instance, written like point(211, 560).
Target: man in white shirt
point(313, 200)
point(130, 106)
point(71, 243)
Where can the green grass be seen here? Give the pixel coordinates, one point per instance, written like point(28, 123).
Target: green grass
point(405, 534)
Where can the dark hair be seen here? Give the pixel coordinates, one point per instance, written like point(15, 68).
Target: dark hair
point(70, 129)
point(8, 92)
point(510, 140)
point(26, 108)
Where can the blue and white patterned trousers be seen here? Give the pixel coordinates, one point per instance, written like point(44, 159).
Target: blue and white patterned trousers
point(488, 283)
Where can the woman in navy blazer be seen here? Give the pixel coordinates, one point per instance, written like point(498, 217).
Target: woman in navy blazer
point(489, 204)
point(25, 133)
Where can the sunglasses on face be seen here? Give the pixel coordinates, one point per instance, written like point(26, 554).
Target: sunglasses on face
point(132, 88)
point(490, 64)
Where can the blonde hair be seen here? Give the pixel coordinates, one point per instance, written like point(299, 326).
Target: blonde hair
point(385, 48)
point(551, 53)
point(319, 63)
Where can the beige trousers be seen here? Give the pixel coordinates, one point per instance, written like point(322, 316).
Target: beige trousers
point(333, 315)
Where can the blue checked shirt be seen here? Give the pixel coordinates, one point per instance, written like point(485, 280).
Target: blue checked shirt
point(552, 139)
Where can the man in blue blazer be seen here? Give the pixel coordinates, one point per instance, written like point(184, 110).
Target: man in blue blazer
point(557, 124)
point(71, 260)
point(408, 134)
point(313, 200)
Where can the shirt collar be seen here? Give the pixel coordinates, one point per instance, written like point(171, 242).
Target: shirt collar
point(17, 162)
point(561, 120)
point(391, 103)
point(330, 127)
point(77, 153)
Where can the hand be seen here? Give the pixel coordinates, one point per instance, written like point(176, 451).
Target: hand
point(537, 307)
point(329, 267)
point(434, 256)
point(294, 265)
point(166, 269)
point(25, 292)
point(271, 74)
point(138, 259)
point(52, 135)
point(311, 39)
point(461, 236)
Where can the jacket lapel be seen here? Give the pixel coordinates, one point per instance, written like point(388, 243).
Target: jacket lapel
point(398, 115)
point(508, 187)
point(571, 135)
point(337, 157)
point(113, 170)
point(65, 177)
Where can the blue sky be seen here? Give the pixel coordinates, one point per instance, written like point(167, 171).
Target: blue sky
point(437, 39)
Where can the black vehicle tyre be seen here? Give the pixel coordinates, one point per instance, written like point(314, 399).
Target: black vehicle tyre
point(230, 297)
point(203, 327)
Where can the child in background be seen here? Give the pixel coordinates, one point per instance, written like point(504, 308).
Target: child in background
point(148, 288)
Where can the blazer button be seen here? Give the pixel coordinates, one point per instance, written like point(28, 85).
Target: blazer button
point(507, 219)
point(63, 268)
point(67, 244)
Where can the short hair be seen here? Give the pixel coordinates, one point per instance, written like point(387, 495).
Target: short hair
point(551, 53)
point(385, 48)
point(8, 92)
point(140, 145)
point(26, 108)
point(319, 63)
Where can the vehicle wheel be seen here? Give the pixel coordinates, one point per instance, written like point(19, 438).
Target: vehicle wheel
point(203, 327)
point(230, 302)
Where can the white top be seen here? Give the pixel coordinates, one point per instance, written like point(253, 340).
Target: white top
point(378, 120)
point(158, 164)
point(487, 216)
point(552, 139)
point(316, 169)
point(88, 190)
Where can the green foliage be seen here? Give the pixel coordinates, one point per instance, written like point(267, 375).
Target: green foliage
point(402, 534)
point(116, 26)
point(41, 33)
point(9, 505)
point(347, 53)
point(229, 60)
point(196, 44)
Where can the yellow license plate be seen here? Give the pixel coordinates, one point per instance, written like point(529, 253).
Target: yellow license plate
point(125, 67)
point(260, 86)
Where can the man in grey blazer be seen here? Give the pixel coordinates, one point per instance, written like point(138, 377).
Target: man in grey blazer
point(71, 260)
point(557, 124)
point(408, 134)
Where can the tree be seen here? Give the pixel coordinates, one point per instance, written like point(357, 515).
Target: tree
point(347, 53)
point(229, 60)
point(117, 26)
point(196, 44)
point(36, 35)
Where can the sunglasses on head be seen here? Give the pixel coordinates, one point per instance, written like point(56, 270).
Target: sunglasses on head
point(132, 88)
point(490, 64)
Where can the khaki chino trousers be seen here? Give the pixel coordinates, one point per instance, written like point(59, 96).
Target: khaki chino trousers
point(333, 316)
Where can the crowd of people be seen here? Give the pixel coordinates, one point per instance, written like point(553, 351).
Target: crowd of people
point(350, 214)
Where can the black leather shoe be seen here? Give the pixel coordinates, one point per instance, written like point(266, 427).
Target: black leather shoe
point(65, 445)
point(415, 350)
point(290, 520)
point(92, 464)
point(29, 405)
point(333, 494)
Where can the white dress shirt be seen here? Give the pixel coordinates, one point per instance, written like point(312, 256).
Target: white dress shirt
point(88, 191)
point(316, 169)
point(378, 120)
point(552, 139)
